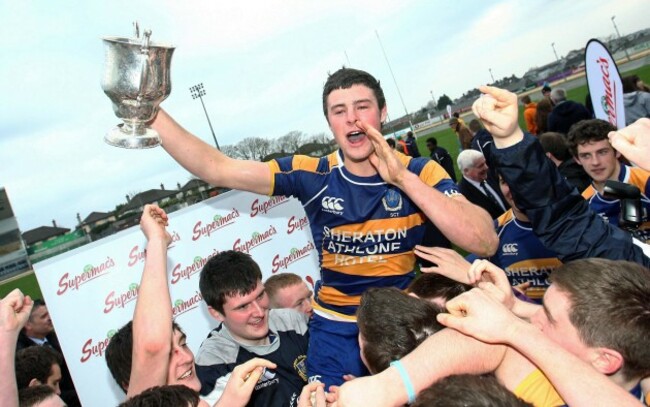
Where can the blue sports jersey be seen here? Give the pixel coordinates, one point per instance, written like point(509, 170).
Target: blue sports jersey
point(521, 254)
point(610, 210)
point(364, 228)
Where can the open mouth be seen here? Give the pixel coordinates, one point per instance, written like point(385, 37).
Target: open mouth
point(355, 136)
point(186, 375)
point(257, 323)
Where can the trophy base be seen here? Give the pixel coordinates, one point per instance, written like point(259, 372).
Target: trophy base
point(136, 138)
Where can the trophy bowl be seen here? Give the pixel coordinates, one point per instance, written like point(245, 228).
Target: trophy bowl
point(136, 79)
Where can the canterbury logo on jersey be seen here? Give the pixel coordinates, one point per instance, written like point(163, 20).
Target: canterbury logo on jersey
point(510, 248)
point(267, 379)
point(331, 203)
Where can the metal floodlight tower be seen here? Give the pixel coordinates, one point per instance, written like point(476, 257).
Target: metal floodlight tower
point(491, 76)
point(408, 115)
point(619, 38)
point(555, 52)
point(198, 91)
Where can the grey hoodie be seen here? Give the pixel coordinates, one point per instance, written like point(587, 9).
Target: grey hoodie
point(637, 105)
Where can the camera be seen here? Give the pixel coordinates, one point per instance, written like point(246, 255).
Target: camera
point(632, 212)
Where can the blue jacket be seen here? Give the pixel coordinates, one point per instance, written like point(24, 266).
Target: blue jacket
point(560, 216)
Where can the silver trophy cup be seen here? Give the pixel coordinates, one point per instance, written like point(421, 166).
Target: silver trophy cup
point(136, 79)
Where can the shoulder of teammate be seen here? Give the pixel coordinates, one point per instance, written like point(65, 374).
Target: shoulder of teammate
point(285, 319)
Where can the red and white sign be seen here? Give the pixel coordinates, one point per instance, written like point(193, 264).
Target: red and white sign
point(605, 86)
point(91, 291)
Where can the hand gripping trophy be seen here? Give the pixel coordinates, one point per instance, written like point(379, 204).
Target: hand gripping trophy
point(136, 79)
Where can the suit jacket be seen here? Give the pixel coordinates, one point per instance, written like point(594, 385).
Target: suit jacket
point(477, 197)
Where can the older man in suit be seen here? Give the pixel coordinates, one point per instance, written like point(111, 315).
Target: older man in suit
point(474, 185)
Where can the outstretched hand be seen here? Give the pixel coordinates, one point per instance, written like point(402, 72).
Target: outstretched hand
point(153, 223)
point(242, 382)
point(447, 262)
point(633, 142)
point(15, 309)
point(384, 158)
point(497, 108)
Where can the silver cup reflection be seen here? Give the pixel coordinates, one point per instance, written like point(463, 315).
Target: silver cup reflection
point(136, 79)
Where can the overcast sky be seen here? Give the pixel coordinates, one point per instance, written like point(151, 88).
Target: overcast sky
point(263, 64)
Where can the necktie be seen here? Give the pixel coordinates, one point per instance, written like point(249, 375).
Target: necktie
point(490, 195)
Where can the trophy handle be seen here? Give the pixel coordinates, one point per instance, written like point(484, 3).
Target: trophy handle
point(144, 72)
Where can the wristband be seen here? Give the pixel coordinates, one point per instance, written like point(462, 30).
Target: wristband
point(410, 391)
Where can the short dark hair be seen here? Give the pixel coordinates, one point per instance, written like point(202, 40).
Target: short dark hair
point(391, 142)
point(32, 396)
point(345, 78)
point(556, 144)
point(119, 354)
point(279, 281)
point(37, 303)
point(431, 285)
point(35, 362)
point(468, 391)
point(629, 83)
point(525, 99)
point(610, 307)
point(475, 125)
point(226, 274)
point(160, 396)
point(586, 131)
point(433, 141)
point(392, 324)
point(409, 134)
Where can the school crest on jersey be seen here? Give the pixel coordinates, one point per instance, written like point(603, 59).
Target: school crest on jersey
point(301, 367)
point(392, 200)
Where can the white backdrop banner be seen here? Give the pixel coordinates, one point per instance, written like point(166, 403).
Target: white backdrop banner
point(91, 291)
point(604, 82)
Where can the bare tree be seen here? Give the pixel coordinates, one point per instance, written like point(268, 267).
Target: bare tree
point(290, 142)
point(231, 151)
point(254, 148)
point(321, 138)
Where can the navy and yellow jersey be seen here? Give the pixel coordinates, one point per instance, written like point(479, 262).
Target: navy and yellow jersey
point(363, 228)
point(610, 210)
point(521, 254)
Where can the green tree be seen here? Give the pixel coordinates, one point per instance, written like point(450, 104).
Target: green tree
point(443, 102)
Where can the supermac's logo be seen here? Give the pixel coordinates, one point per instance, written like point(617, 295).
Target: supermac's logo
point(95, 348)
point(295, 254)
point(179, 271)
point(258, 207)
point(89, 273)
point(608, 100)
point(218, 222)
point(120, 300)
point(136, 255)
point(510, 249)
point(296, 224)
point(332, 204)
point(256, 239)
point(181, 306)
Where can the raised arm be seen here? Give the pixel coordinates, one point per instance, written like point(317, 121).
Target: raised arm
point(15, 309)
point(208, 163)
point(478, 314)
point(443, 354)
point(561, 218)
point(152, 319)
point(463, 223)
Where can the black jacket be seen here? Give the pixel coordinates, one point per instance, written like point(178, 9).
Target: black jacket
point(477, 197)
point(565, 115)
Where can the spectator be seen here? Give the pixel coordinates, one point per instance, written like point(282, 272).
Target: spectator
point(39, 396)
point(231, 286)
point(436, 288)
point(152, 350)
point(462, 132)
point(566, 113)
point(38, 365)
point(544, 109)
point(556, 148)
point(636, 100)
point(468, 391)
point(546, 90)
point(391, 142)
point(473, 185)
point(288, 290)
point(392, 324)
point(591, 148)
point(401, 145)
point(39, 331)
point(530, 112)
point(412, 145)
point(441, 156)
point(482, 141)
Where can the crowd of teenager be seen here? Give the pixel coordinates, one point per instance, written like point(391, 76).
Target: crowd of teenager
point(549, 305)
